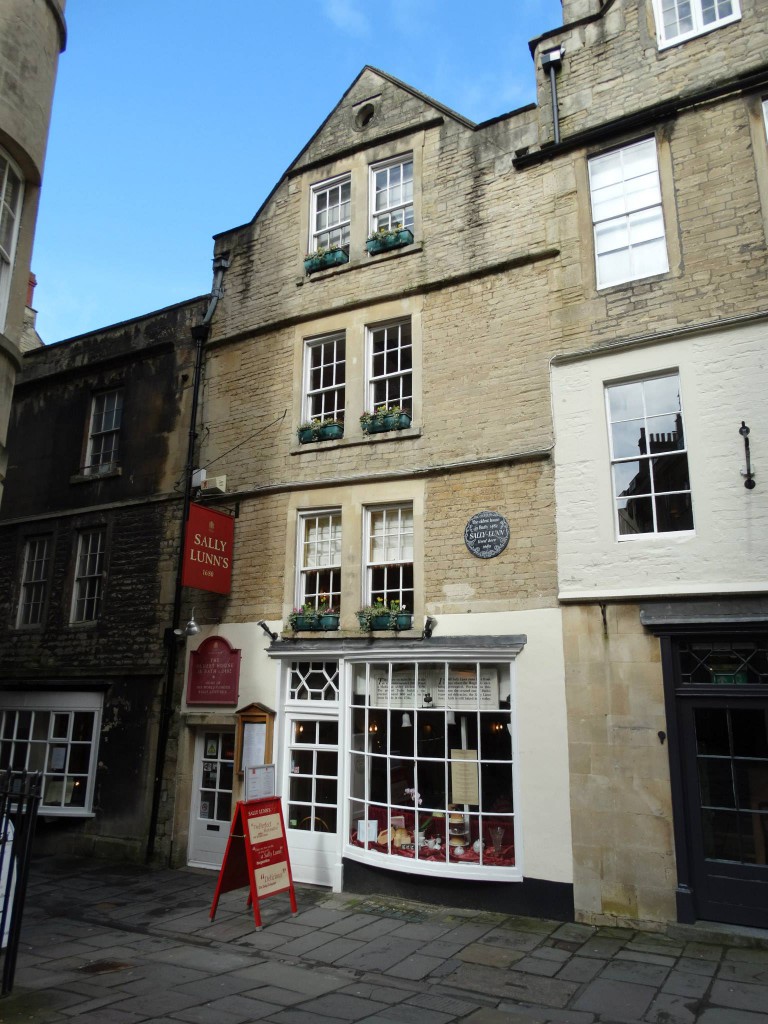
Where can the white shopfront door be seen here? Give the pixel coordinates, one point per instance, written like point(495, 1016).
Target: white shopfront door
point(211, 811)
point(311, 789)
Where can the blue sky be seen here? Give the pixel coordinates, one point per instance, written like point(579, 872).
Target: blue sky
point(173, 119)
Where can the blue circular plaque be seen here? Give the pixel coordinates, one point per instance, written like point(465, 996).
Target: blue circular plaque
point(486, 534)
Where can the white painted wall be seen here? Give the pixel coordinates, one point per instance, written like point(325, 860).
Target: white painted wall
point(724, 380)
point(542, 794)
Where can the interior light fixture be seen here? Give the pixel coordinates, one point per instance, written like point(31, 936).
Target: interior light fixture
point(191, 628)
point(406, 721)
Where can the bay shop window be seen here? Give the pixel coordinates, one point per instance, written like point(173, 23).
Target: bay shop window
point(423, 765)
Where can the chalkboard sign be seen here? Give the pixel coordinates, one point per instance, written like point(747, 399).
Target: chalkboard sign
point(486, 534)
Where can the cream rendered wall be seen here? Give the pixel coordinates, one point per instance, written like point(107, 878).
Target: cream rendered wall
point(724, 376)
point(542, 790)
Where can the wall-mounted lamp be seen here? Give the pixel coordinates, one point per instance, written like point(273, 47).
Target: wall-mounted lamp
point(406, 723)
point(191, 628)
point(749, 483)
point(429, 625)
point(262, 625)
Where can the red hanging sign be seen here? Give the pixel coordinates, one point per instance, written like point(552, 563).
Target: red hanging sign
point(214, 673)
point(257, 855)
point(208, 540)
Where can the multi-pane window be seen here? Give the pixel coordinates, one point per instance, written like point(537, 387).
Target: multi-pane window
point(89, 576)
point(55, 734)
point(11, 193)
point(325, 362)
point(330, 214)
point(431, 773)
point(680, 19)
point(390, 381)
point(627, 214)
point(649, 463)
point(320, 559)
point(104, 434)
point(34, 581)
point(392, 194)
point(313, 788)
point(389, 555)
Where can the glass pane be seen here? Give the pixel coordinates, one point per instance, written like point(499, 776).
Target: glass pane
point(629, 439)
point(79, 758)
point(670, 473)
point(430, 734)
point(625, 401)
point(82, 725)
point(74, 792)
point(716, 783)
point(207, 805)
point(300, 817)
point(211, 744)
point(304, 732)
point(631, 478)
point(712, 731)
point(662, 394)
point(60, 726)
point(329, 733)
point(748, 728)
point(302, 762)
point(325, 791)
point(327, 762)
point(635, 516)
point(226, 772)
point(721, 835)
point(223, 806)
point(210, 774)
point(752, 784)
point(301, 788)
point(674, 512)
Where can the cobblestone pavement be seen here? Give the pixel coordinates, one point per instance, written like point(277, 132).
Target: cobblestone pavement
point(125, 945)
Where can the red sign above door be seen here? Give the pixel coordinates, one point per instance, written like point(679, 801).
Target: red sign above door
point(214, 673)
point(208, 541)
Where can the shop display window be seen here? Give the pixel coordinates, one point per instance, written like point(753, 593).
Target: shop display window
point(431, 775)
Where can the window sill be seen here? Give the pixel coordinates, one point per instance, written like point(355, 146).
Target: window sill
point(90, 624)
point(354, 441)
point(89, 478)
point(450, 869)
point(365, 261)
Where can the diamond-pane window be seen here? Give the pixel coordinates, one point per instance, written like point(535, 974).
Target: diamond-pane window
point(314, 680)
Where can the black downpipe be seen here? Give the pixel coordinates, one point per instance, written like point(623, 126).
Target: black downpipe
point(199, 334)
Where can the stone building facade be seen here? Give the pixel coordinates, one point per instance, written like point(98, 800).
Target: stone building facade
point(33, 33)
point(567, 261)
point(89, 540)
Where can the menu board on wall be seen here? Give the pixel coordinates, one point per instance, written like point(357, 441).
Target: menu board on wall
point(461, 691)
point(465, 783)
point(257, 855)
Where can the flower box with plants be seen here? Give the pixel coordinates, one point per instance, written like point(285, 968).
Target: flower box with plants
point(324, 257)
point(383, 419)
point(382, 616)
point(313, 619)
point(384, 239)
point(320, 430)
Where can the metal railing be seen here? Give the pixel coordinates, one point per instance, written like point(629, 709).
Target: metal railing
point(19, 802)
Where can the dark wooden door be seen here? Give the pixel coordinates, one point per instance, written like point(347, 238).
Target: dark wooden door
point(725, 779)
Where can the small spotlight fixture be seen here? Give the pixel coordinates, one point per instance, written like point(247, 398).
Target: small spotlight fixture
point(429, 625)
point(191, 628)
point(262, 625)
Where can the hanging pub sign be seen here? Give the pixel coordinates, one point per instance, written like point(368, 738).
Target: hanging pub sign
point(214, 673)
point(486, 534)
point(208, 540)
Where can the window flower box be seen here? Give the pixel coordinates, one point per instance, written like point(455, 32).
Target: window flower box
point(384, 240)
point(321, 259)
point(377, 617)
point(320, 430)
point(313, 620)
point(384, 419)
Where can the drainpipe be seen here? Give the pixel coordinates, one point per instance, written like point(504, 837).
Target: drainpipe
point(172, 638)
point(551, 61)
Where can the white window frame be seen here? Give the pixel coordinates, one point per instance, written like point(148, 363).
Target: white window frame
point(397, 568)
point(54, 743)
point(649, 457)
point(373, 854)
point(35, 579)
point(11, 206)
point(327, 558)
point(390, 387)
point(104, 432)
point(340, 226)
point(88, 588)
point(325, 401)
point(697, 11)
point(634, 198)
point(765, 116)
point(385, 216)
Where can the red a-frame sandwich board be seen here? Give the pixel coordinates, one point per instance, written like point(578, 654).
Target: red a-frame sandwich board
point(257, 855)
